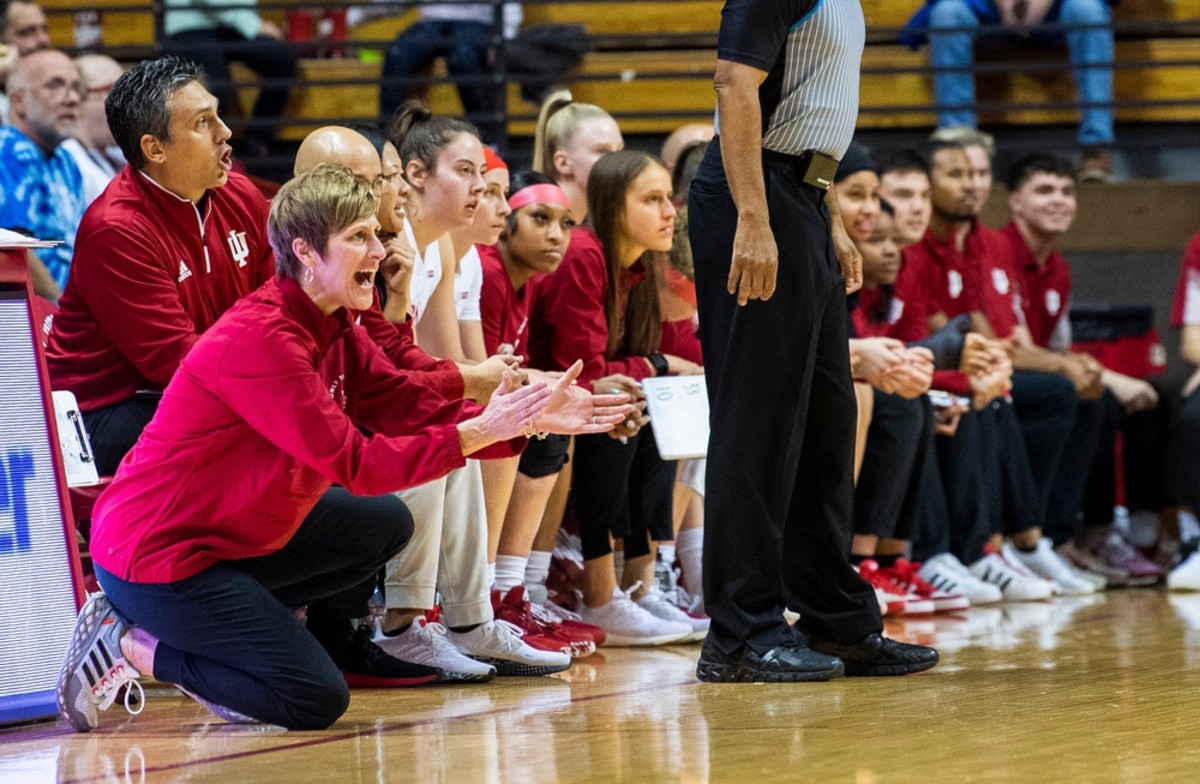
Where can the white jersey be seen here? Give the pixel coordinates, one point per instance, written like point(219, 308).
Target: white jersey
point(426, 274)
point(468, 286)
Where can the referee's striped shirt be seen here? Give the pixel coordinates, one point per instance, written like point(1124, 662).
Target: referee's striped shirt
point(812, 53)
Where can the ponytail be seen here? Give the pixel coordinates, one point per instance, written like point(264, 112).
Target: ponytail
point(557, 123)
point(418, 134)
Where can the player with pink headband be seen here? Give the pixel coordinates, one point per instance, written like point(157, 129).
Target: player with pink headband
point(535, 240)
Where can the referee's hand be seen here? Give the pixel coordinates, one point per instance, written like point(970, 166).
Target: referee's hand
point(755, 260)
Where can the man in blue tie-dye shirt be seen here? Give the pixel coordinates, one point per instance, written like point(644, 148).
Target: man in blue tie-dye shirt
point(41, 187)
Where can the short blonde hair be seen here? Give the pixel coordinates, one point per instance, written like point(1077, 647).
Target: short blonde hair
point(313, 207)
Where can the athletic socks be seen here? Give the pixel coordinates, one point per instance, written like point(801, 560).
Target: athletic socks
point(666, 554)
point(619, 564)
point(491, 573)
point(689, 546)
point(508, 572)
point(537, 569)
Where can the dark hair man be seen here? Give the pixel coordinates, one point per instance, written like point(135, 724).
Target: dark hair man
point(173, 242)
point(1043, 205)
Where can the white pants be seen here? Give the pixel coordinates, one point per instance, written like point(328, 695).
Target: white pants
point(447, 551)
point(693, 474)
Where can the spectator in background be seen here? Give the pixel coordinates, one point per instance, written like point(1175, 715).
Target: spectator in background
point(952, 24)
point(215, 33)
point(41, 188)
point(92, 147)
point(464, 34)
point(22, 30)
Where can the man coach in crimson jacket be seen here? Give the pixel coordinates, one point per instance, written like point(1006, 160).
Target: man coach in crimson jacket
point(170, 245)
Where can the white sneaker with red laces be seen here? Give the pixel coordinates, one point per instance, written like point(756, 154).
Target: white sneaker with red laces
point(904, 575)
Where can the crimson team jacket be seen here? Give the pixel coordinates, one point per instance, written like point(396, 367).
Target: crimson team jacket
point(151, 272)
point(264, 414)
point(567, 318)
point(505, 310)
point(400, 346)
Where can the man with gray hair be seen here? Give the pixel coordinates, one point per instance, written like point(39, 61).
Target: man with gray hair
point(22, 30)
point(92, 146)
point(41, 188)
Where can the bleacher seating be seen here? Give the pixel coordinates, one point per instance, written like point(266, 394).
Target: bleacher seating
point(653, 64)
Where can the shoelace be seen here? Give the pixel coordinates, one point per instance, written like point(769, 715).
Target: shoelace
point(122, 674)
point(512, 640)
point(908, 578)
point(431, 630)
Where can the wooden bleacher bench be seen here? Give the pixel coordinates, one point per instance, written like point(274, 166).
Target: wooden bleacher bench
point(888, 100)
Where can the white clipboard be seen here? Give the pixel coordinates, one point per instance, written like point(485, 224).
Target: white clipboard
point(78, 460)
point(678, 407)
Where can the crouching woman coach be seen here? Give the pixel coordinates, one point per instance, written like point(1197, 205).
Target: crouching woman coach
point(222, 520)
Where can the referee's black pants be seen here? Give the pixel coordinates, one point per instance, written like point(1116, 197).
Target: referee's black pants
point(780, 478)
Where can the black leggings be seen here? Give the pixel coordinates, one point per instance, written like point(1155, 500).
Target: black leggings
point(1185, 453)
point(622, 490)
point(228, 633)
point(888, 495)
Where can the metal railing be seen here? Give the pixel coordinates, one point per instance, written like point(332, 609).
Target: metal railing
point(502, 74)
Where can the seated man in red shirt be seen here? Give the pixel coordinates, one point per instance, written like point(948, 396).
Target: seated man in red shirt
point(173, 242)
point(958, 268)
point(1043, 205)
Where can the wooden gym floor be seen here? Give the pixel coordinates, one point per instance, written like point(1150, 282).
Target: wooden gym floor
point(1096, 690)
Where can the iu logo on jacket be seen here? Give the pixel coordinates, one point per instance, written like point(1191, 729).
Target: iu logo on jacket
point(238, 247)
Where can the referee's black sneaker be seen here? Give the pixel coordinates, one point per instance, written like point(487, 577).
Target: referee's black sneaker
point(789, 662)
point(879, 655)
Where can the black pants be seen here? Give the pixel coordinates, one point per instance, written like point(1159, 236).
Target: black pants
point(932, 534)
point(623, 491)
point(228, 633)
point(1185, 453)
point(963, 460)
point(780, 481)
point(1060, 439)
point(1144, 459)
point(114, 430)
point(887, 498)
point(988, 484)
point(274, 62)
